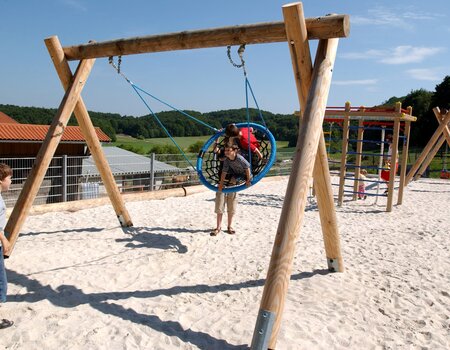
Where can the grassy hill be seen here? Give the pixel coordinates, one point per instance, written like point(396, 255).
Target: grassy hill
point(145, 145)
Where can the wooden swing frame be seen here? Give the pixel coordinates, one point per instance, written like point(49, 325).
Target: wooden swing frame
point(313, 84)
point(441, 135)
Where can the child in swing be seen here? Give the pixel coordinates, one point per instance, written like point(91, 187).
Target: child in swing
point(5, 248)
point(234, 165)
point(245, 139)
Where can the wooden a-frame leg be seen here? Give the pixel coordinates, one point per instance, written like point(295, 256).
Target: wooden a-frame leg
point(46, 152)
point(278, 275)
point(306, 161)
point(428, 147)
point(301, 61)
point(87, 128)
point(440, 141)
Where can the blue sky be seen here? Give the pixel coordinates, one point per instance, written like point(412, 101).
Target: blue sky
point(394, 47)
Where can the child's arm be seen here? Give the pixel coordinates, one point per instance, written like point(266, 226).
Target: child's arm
point(5, 243)
point(258, 153)
point(248, 177)
point(222, 179)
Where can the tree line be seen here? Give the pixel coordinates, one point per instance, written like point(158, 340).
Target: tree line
point(283, 126)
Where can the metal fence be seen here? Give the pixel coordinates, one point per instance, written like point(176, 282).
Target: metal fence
point(74, 178)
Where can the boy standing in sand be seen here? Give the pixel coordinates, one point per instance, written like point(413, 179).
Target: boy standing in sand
point(5, 182)
point(222, 199)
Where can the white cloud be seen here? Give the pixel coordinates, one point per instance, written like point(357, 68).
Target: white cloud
point(381, 16)
point(393, 17)
point(410, 54)
point(399, 55)
point(429, 74)
point(369, 54)
point(355, 82)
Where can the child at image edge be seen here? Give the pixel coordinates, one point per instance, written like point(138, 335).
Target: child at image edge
point(5, 183)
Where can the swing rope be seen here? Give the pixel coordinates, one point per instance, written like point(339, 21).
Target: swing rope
point(208, 175)
point(248, 87)
point(137, 89)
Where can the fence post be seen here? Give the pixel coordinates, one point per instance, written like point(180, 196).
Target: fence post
point(152, 171)
point(64, 178)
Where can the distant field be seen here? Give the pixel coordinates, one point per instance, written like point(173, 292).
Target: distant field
point(184, 142)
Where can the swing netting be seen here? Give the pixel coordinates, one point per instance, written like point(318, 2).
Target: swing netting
point(209, 166)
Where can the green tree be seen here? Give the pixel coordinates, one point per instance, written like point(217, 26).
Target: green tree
point(423, 128)
point(195, 147)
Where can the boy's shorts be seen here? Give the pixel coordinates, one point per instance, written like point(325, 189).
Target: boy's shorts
point(229, 198)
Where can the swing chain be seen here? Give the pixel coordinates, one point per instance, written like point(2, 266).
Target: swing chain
point(240, 52)
point(117, 67)
point(119, 62)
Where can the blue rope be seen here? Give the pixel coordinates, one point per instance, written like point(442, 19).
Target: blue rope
point(247, 83)
point(174, 108)
point(135, 88)
point(248, 125)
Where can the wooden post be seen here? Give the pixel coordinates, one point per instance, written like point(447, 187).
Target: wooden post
point(46, 152)
point(404, 163)
point(359, 149)
point(345, 134)
point(394, 156)
point(440, 118)
point(428, 159)
point(436, 147)
point(87, 128)
point(292, 213)
point(301, 62)
point(318, 28)
point(429, 146)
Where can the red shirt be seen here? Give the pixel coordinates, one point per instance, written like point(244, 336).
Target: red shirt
point(254, 144)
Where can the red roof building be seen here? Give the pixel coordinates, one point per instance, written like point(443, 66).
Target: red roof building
point(20, 144)
point(6, 119)
point(24, 140)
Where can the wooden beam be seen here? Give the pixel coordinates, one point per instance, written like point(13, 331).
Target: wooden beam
point(404, 162)
point(46, 152)
point(278, 275)
point(87, 128)
point(437, 145)
point(343, 168)
point(336, 26)
point(358, 160)
point(367, 115)
point(440, 118)
point(394, 161)
point(429, 158)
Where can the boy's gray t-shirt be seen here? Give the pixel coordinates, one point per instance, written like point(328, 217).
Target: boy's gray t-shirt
point(236, 166)
point(2, 213)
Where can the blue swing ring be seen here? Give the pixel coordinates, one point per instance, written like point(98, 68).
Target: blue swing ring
point(209, 175)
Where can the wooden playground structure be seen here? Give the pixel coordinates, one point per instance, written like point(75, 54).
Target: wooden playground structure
point(313, 84)
point(381, 119)
point(441, 135)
